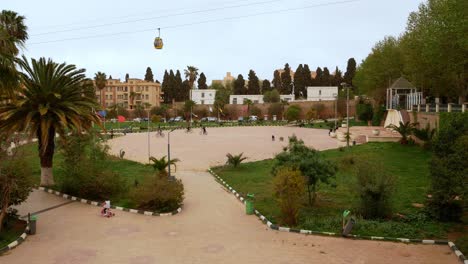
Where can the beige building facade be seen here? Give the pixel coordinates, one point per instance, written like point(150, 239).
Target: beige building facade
point(129, 94)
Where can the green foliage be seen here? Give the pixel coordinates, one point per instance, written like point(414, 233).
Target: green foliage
point(276, 83)
point(157, 193)
point(266, 86)
point(149, 75)
point(299, 81)
point(253, 87)
point(293, 113)
point(425, 134)
point(289, 189)
point(375, 188)
point(235, 160)
point(379, 113)
point(188, 106)
point(350, 71)
point(286, 81)
point(404, 129)
point(239, 85)
point(160, 165)
point(309, 161)
point(449, 167)
point(275, 109)
point(364, 112)
point(202, 82)
point(221, 97)
point(272, 96)
point(255, 111)
point(88, 172)
point(462, 244)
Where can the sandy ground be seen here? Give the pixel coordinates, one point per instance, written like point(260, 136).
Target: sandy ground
point(198, 152)
point(212, 227)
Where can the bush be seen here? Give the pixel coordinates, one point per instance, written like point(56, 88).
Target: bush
point(364, 112)
point(157, 193)
point(255, 111)
point(293, 113)
point(462, 244)
point(275, 109)
point(271, 96)
point(235, 160)
point(289, 189)
point(88, 170)
point(155, 118)
point(379, 113)
point(449, 167)
point(375, 188)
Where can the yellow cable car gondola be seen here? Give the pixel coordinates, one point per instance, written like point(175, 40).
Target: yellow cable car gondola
point(158, 42)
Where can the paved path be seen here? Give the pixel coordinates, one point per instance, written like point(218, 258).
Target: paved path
point(212, 228)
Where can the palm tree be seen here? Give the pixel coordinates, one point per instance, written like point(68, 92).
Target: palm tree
point(404, 129)
point(235, 160)
point(100, 80)
point(57, 98)
point(191, 74)
point(13, 35)
point(132, 97)
point(160, 165)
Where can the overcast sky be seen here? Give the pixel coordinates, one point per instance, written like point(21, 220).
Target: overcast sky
point(317, 32)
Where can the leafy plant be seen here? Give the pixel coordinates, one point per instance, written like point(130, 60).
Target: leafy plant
point(159, 194)
point(235, 160)
point(425, 134)
point(404, 129)
point(289, 190)
point(160, 165)
point(375, 188)
point(293, 113)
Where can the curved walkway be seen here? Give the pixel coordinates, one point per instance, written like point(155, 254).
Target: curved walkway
point(212, 228)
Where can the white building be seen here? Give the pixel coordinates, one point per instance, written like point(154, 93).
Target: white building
point(203, 96)
point(256, 98)
point(322, 93)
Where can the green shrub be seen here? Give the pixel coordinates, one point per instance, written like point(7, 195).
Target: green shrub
point(364, 112)
point(462, 244)
point(275, 109)
point(289, 189)
point(293, 113)
point(449, 167)
point(375, 188)
point(379, 113)
point(255, 111)
point(87, 170)
point(159, 194)
point(235, 160)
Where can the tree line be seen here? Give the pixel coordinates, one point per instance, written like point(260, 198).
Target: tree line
point(432, 53)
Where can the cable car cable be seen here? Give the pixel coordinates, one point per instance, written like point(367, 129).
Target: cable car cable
point(200, 22)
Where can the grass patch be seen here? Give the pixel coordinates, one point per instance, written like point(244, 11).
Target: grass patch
point(409, 163)
point(11, 232)
point(133, 172)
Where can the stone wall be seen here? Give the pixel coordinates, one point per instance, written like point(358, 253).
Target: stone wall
point(423, 118)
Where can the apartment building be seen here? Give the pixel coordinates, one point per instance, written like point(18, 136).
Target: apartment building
point(130, 93)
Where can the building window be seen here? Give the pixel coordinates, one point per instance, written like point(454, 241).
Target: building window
point(234, 101)
point(110, 96)
point(126, 89)
point(320, 92)
point(202, 101)
point(203, 95)
point(147, 97)
point(255, 101)
point(146, 88)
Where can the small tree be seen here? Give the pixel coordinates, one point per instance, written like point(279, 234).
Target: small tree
point(275, 109)
point(375, 188)
point(16, 181)
point(293, 113)
point(235, 160)
point(315, 168)
point(254, 110)
point(289, 190)
point(425, 135)
point(160, 165)
point(404, 129)
point(365, 112)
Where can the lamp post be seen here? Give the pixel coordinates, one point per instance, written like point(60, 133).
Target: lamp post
point(169, 154)
point(148, 128)
point(336, 106)
point(345, 85)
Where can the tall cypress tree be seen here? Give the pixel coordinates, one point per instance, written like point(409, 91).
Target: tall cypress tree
point(171, 86)
point(239, 85)
point(326, 77)
point(254, 83)
point(318, 80)
point(127, 77)
point(202, 82)
point(299, 81)
point(286, 80)
point(149, 75)
point(164, 87)
point(350, 71)
point(338, 78)
point(276, 83)
point(185, 91)
point(308, 80)
point(179, 90)
point(266, 86)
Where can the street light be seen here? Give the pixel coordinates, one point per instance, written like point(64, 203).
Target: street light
point(345, 85)
point(148, 127)
point(169, 154)
point(336, 106)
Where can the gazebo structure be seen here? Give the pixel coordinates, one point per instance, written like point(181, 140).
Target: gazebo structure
point(403, 94)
